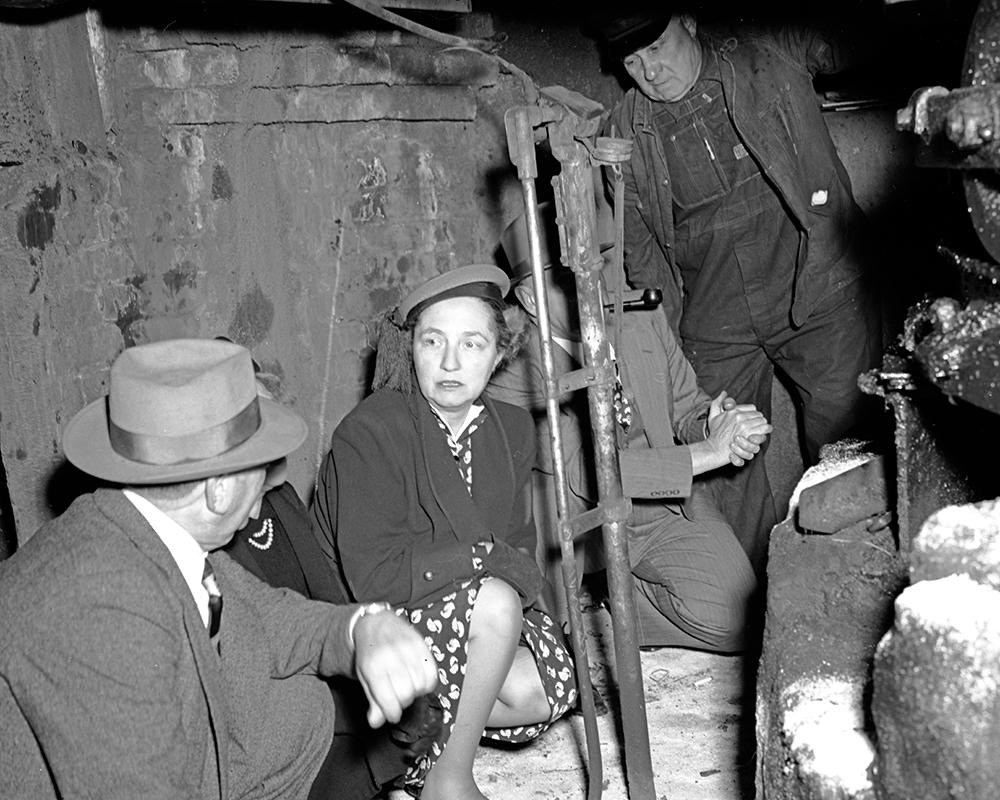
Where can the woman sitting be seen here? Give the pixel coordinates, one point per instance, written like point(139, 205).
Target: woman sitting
point(427, 493)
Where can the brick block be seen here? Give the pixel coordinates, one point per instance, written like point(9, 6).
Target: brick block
point(845, 498)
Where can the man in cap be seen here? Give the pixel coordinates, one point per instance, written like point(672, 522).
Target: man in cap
point(134, 660)
point(692, 580)
point(738, 207)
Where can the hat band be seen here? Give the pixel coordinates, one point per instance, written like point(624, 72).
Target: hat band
point(149, 448)
point(484, 290)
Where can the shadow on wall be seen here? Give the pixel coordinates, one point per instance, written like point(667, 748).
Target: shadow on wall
point(65, 484)
point(8, 531)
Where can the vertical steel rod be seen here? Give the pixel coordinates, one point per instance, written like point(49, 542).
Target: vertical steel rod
point(575, 200)
point(521, 144)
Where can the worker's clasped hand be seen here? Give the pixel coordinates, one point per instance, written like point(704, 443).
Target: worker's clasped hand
point(393, 665)
point(736, 430)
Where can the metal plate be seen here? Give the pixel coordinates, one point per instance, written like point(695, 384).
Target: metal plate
point(981, 68)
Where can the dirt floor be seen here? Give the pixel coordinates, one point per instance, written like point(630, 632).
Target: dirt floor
point(699, 706)
point(695, 712)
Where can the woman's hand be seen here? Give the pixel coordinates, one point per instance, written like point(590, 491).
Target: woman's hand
point(735, 431)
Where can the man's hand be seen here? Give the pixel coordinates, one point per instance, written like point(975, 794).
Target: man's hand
point(736, 431)
point(393, 664)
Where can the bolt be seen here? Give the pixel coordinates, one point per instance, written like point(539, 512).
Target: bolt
point(904, 119)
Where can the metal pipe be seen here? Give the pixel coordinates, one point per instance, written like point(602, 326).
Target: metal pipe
point(521, 145)
point(576, 211)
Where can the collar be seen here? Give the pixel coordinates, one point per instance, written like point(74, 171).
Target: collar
point(185, 551)
point(474, 411)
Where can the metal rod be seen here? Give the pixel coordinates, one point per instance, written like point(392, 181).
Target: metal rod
point(521, 146)
point(578, 225)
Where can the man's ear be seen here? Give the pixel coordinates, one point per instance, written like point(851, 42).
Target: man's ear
point(219, 494)
point(525, 295)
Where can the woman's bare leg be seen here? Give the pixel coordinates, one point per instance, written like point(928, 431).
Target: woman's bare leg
point(522, 699)
point(494, 630)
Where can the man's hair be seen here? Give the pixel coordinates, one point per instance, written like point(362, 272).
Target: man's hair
point(164, 492)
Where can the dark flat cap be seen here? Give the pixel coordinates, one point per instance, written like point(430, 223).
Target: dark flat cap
point(626, 27)
point(486, 281)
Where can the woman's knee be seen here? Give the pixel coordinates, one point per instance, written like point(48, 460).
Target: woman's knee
point(497, 612)
point(522, 694)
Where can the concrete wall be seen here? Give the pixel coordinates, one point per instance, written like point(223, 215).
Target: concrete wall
point(280, 179)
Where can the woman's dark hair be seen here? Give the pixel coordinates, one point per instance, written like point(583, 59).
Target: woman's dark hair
point(394, 359)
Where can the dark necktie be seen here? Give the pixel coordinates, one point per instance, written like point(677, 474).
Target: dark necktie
point(214, 602)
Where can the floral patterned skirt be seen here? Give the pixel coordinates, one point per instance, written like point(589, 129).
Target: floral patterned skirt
point(444, 625)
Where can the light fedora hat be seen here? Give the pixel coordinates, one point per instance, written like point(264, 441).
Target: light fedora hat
point(180, 410)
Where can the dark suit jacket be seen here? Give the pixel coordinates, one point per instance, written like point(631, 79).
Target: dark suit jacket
point(110, 687)
point(360, 760)
point(391, 496)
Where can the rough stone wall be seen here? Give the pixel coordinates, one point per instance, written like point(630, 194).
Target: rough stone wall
point(829, 601)
point(61, 223)
point(279, 178)
point(281, 188)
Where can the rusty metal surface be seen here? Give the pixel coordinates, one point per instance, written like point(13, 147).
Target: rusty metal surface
point(944, 448)
point(927, 478)
point(567, 122)
point(982, 69)
point(958, 349)
point(576, 214)
point(962, 127)
point(968, 119)
point(520, 123)
point(978, 279)
point(962, 354)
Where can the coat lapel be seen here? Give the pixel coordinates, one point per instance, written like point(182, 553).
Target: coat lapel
point(245, 664)
point(135, 527)
point(465, 516)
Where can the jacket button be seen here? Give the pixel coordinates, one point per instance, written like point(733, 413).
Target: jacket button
point(428, 576)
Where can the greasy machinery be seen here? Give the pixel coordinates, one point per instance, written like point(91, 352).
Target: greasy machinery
point(944, 387)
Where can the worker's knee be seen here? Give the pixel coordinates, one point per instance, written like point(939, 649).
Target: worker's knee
point(715, 617)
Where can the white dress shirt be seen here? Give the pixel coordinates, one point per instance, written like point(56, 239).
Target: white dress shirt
point(186, 552)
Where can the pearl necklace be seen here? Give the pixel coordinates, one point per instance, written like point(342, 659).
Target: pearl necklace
point(266, 532)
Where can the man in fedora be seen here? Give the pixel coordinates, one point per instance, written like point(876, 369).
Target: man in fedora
point(692, 580)
point(737, 205)
point(134, 660)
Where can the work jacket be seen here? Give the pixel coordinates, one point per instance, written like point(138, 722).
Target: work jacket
point(769, 95)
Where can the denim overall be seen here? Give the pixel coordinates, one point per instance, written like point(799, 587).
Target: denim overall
point(740, 226)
